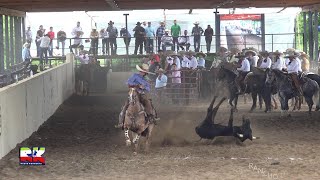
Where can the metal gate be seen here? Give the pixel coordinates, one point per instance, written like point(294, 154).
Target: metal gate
point(180, 90)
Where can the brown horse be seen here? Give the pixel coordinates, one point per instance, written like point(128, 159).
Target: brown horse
point(135, 121)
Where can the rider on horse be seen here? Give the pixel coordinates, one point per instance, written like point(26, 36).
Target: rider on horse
point(293, 69)
point(143, 87)
point(243, 71)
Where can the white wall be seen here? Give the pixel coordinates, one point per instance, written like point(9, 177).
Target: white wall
point(25, 105)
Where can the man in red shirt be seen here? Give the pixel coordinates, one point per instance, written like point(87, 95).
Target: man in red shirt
point(51, 36)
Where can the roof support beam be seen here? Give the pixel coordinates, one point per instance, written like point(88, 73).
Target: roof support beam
point(113, 4)
point(11, 12)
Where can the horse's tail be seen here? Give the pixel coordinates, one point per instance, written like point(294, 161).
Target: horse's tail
point(317, 97)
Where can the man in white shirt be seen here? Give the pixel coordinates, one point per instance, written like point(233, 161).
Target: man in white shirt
point(184, 41)
point(176, 59)
point(167, 40)
point(252, 57)
point(161, 80)
point(44, 46)
point(201, 60)
point(266, 62)
point(293, 69)
point(185, 63)
point(77, 43)
point(193, 61)
point(243, 71)
point(84, 57)
point(76, 30)
point(279, 61)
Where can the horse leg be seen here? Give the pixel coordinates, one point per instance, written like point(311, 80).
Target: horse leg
point(260, 101)
point(148, 137)
point(126, 134)
point(236, 103)
point(254, 101)
point(309, 102)
point(136, 143)
point(275, 102)
point(245, 98)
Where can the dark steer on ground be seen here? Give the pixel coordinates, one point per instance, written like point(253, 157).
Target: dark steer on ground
point(208, 130)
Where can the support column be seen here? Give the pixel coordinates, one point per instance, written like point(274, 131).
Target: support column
point(23, 20)
point(11, 40)
point(6, 41)
point(1, 45)
point(263, 33)
point(310, 35)
point(218, 33)
point(316, 36)
point(305, 45)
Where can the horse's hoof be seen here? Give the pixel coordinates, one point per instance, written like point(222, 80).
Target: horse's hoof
point(128, 142)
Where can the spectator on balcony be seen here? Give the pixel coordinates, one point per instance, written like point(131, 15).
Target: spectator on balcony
point(124, 33)
point(105, 41)
point(184, 41)
point(208, 33)
point(139, 33)
point(51, 36)
point(94, 36)
point(150, 34)
point(175, 33)
point(77, 29)
point(113, 34)
point(26, 56)
point(197, 31)
point(167, 40)
point(160, 32)
point(61, 38)
point(44, 46)
point(39, 35)
point(29, 35)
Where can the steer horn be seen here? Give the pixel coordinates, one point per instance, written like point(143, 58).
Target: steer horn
point(240, 135)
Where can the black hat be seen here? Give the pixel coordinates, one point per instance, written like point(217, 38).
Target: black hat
point(110, 22)
point(138, 23)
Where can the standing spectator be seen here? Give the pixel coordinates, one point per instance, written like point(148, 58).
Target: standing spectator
point(105, 41)
point(94, 36)
point(184, 41)
point(77, 29)
point(160, 32)
point(176, 82)
point(61, 38)
point(126, 37)
point(150, 36)
point(44, 46)
point(167, 40)
point(161, 83)
point(197, 32)
point(51, 36)
point(208, 33)
point(144, 25)
point(39, 35)
point(113, 34)
point(175, 33)
point(26, 56)
point(139, 33)
point(29, 35)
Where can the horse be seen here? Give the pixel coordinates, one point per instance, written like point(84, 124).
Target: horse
point(286, 90)
point(135, 121)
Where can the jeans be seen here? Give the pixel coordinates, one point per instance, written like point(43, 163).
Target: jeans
point(94, 46)
point(44, 51)
point(196, 41)
point(63, 43)
point(138, 44)
point(149, 45)
point(38, 48)
point(185, 44)
point(208, 43)
point(159, 43)
point(175, 42)
point(113, 45)
point(165, 45)
point(50, 49)
point(105, 46)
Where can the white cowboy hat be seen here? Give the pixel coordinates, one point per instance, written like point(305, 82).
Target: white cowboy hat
point(250, 51)
point(182, 53)
point(264, 53)
point(167, 30)
point(196, 23)
point(277, 52)
point(191, 53)
point(291, 54)
point(143, 68)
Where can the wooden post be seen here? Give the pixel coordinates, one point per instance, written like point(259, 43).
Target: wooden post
point(263, 32)
point(305, 45)
point(23, 20)
point(310, 35)
point(11, 50)
point(17, 38)
point(218, 35)
point(1, 45)
point(316, 36)
point(7, 56)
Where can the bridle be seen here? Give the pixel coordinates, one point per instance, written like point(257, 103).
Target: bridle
point(132, 96)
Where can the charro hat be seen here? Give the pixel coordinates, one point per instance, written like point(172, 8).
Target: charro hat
point(264, 53)
point(143, 68)
point(277, 52)
point(254, 53)
point(291, 54)
point(201, 54)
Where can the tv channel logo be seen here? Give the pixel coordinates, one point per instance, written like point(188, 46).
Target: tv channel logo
point(32, 156)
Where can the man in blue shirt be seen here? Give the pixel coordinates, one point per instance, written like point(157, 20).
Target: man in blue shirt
point(138, 80)
point(150, 35)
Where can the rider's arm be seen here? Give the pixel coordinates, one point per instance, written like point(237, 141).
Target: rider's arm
point(132, 81)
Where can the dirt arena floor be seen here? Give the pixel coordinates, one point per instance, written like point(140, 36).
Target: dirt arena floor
point(82, 143)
